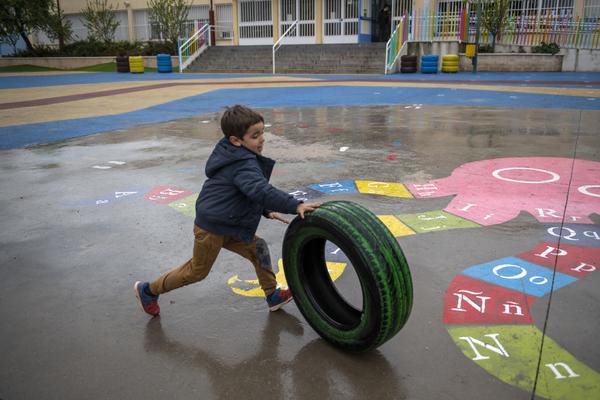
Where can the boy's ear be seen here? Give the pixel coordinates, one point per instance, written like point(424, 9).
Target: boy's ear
point(234, 140)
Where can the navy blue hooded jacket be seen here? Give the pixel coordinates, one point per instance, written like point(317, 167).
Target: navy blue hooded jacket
point(237, 192)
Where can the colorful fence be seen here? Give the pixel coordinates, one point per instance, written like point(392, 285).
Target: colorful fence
point(525, 30)
point(395, 43)
point(428, 26)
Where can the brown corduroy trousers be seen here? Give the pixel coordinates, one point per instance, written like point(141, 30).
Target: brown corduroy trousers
point(207, 246)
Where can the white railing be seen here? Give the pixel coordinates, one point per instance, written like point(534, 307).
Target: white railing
point(395, 46)
point(194, 46)
point(277, 44)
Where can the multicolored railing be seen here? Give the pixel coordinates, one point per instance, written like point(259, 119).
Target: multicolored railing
point(524, 30)
point(194, 46)
point(395, 44)
point(531, 30)
point(427, 26)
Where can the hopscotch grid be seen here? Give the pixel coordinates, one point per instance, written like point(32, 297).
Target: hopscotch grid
point(562, 223)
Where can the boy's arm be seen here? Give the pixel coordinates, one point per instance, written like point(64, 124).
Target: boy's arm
point(250, 180)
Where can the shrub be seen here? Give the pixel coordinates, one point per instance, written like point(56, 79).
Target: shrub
point(95, 48)
point(546, 48)
point(486, 48)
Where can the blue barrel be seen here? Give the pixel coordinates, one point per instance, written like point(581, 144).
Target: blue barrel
point(429, 63)
point(163, 63)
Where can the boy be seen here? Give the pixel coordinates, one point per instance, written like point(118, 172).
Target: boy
point(228, 210)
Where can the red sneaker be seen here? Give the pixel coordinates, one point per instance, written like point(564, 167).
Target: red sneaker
point(149, 303)
point(278, 299)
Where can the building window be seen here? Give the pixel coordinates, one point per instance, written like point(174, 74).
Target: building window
point(224, 21)
point(591, 8)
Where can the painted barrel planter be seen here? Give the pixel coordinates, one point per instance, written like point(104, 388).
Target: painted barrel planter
point(136, 64)
point(450, 63)
point(429, 63)
point(408, 64)
point(163, 63)
point(122, 63)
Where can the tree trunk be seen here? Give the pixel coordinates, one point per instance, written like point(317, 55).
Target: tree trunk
point(494, 42)
point(27, 41)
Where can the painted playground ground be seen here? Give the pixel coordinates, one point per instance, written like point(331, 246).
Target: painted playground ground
point(490, 182)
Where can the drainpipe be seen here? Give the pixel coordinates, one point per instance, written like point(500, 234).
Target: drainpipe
point(211, 22)
point(479, 5)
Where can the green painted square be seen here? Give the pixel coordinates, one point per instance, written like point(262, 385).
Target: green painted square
point(186, 205)
point(433, 221)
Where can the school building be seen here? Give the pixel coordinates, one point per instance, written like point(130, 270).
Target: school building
point(261, 22)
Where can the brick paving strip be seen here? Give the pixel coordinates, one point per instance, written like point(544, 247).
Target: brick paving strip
point(103, 93)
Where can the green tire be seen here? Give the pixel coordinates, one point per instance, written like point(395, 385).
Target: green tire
point(380, 265)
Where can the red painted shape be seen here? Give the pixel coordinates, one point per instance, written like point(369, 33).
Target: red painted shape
point(492, 192)
point(391, 157)
point(302, 125)
point(493, 302)
point(576, 261)
point(166, 194)
point(335, 130)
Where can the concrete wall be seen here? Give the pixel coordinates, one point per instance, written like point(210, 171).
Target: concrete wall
point(440, 48)
point(581, 60)
point(568, 60)
point(574, 60)
point(72, 62)
point(513, 62)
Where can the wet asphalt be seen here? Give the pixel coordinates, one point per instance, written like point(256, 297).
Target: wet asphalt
point(70, 251)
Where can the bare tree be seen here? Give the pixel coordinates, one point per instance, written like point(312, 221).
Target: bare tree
point(169, 16)
point(100, 20)
point(58, 27)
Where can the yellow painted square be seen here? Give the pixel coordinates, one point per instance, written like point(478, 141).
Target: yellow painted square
point(391, 189)
point(395, 226)
point(186, 205)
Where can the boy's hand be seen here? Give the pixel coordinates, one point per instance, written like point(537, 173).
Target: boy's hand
point(278, 217)
point(306, 207)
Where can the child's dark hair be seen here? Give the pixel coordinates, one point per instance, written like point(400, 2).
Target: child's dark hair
point(237, 119)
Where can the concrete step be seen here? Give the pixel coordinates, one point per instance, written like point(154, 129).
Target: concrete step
point(328, 58)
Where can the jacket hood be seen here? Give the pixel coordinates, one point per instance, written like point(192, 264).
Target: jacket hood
point(225, 154)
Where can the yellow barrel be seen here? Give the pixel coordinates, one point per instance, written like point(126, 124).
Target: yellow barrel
point(450, 63)
point(136, 64)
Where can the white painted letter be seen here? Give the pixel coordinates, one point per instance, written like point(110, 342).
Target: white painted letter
point(465, 208)
point(509, 304)
point(557, 374)
point(592, 234)
point(547, 212)
point(549, 249)
point(461, 297)
point(581, 267)
point(520, 275)
point(299, 195)
point(335, 184)
point(472, 342)
point(571, 235)
point(123, 194)
point(540, 280)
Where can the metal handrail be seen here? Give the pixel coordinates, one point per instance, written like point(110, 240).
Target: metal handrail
point(277, 44)
point(393, 45)
point(192, 44)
